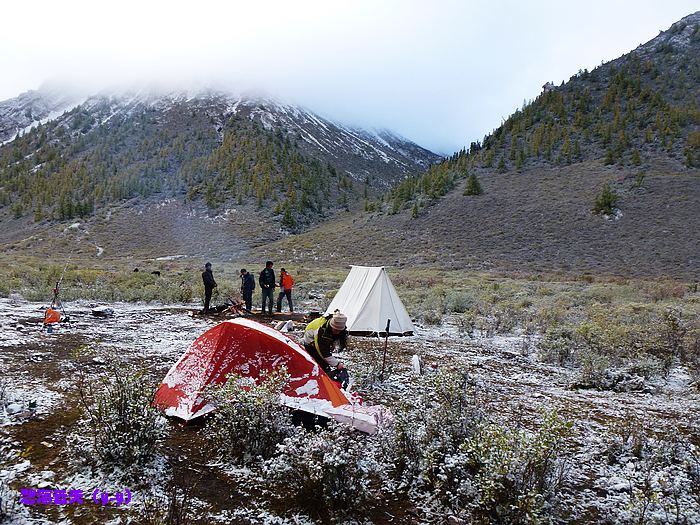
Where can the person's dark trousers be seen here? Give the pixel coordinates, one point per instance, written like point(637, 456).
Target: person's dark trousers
point(288, 293)
point(248, 299)
point(311, 350)
point(207, 298)
point(267, 296)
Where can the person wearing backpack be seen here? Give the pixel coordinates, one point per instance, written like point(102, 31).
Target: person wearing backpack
point(247, 287)
point(286, 284)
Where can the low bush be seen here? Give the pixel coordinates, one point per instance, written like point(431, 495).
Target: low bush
point(432, 317)
point(9, 503)
point(662, 474)
point(646, 342)
point(459, 302)
point(593, 370)
point(558, 346)
point(503, 475)
point(663, 291)
point(124, 427)
point(174, 509)
point(646, 366)
point(331, 470)
point(442, 414)
point(443, 449)
point(249, 421)
point(434, 300)
point(629, 440)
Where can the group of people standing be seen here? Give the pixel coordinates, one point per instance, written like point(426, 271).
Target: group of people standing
point(321, 336)
point(267, 281)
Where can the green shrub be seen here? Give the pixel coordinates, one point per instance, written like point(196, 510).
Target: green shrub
point(442, 415)
point(249, 420)
point(432, 317)
point(594, 366)
point(674, 332)
point(443, 449)
point(124, 427)
point(459, 302)
point(558, 346)
point(327, 470)
point(605, 201)
point(508, 476)
point(646, 366)
point(435, 300)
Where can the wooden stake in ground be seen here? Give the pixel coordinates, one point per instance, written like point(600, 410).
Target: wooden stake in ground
point(386, 342)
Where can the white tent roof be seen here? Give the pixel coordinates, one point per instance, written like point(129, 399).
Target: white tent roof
point(368, 298)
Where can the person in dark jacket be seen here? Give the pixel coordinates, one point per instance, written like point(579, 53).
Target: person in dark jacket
point(247, 287)
point(267, 284)
point(209, 285)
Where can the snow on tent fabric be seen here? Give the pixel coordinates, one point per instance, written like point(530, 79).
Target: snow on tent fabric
point(245, 347)
point(368, 299)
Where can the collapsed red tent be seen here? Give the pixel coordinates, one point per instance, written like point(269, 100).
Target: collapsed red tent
point(245, 347)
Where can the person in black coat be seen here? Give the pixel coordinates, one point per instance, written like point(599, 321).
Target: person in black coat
point(247, 287)
point(267, 283)
point(209, 285)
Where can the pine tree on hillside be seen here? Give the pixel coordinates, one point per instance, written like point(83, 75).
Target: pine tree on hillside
point(473, 186)
point(502, 165)
point(605, 201)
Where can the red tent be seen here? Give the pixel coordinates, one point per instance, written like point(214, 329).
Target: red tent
point(243, 347)
point(246, 348)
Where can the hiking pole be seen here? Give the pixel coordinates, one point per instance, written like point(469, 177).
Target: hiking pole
point(386, 342)
point(57, 290)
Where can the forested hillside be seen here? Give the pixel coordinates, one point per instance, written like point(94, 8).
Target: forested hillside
point(600, 174)
point(641, 111)
point(211, 148)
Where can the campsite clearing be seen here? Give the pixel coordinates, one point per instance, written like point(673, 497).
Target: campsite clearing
point(44, 369)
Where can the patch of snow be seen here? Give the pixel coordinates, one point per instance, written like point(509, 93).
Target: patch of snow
point(51, 116)
point(309, 388)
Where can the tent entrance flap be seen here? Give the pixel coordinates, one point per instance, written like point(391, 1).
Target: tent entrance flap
point(368, 298)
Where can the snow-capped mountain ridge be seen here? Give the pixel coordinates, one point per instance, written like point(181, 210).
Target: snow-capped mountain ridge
point(33, 108)
point(355, 150)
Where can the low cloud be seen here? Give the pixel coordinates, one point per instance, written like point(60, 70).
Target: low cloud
point(442, 73)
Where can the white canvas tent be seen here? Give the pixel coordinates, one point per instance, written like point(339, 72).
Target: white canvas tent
point(368, 299)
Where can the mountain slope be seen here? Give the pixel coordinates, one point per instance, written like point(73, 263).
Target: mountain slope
point(31, 109)
point(639, 110)
point(632, 124)
point(211, 147)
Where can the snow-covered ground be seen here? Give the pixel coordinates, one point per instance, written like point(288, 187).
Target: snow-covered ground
point(39, 373)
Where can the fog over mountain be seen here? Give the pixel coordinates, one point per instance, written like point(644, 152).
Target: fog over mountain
point(440, 73)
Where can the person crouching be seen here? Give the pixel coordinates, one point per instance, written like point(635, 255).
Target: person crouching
point(321, 337)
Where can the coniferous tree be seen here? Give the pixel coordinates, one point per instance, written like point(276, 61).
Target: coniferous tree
point(605, 201)
point(502, 165)
point(473, 186)
point(636, 159)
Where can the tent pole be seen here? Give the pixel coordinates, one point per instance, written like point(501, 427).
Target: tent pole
point(386, 342)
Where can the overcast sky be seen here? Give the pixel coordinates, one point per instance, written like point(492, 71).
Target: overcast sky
point(440, 72)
